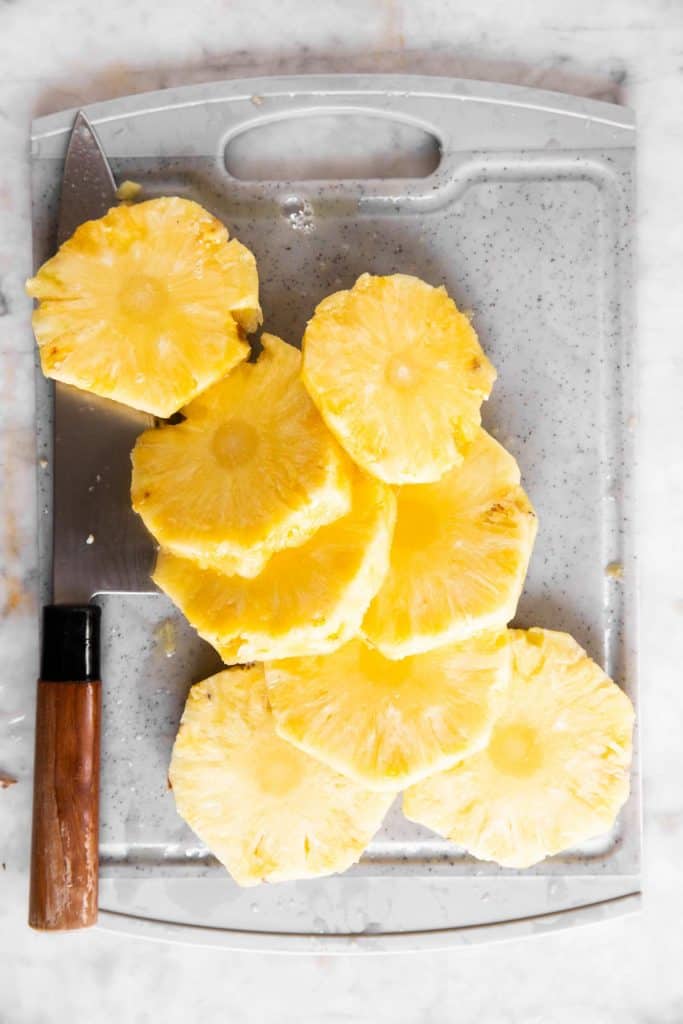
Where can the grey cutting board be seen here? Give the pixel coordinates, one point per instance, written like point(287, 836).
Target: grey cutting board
point(527, 220)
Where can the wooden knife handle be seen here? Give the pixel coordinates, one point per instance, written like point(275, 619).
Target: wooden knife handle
point(64, 848)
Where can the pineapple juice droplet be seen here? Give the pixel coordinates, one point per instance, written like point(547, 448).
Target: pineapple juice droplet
point(165, 635)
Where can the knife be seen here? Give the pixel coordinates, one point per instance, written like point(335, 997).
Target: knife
point(99, 546)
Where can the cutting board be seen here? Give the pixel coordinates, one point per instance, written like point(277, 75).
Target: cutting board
point(520, 202)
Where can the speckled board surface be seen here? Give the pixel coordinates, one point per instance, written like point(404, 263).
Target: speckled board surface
point(526, 220)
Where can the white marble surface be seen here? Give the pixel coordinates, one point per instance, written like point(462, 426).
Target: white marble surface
point(67, 52)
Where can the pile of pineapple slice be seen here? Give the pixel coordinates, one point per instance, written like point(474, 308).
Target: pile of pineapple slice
point(339, 526)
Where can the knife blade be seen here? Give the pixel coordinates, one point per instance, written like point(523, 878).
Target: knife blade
point(99, 546)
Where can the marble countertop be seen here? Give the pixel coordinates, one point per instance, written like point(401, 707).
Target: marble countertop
point(69, 52)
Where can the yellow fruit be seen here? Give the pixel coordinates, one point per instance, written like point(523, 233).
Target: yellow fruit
point(389, 723)
point(267, 811)
point(307, 600)
point(459, 557)
point(128, 191)
point(251, 470)
point(555, 772)
point(398, 375)
point(146, 305)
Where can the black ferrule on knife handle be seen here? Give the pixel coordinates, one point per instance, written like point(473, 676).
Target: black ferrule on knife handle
point(70, 650)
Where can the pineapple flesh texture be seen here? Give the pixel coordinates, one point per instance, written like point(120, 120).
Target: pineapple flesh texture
point(387, 724)
point(459, 558)
point(252, 469)
point(147, 305)
point(556, 770)
point(265, 809)
point(398, 375)
point(307, 600)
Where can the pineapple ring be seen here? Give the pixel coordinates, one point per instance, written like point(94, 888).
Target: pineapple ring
point(307, 600)
point(146, 305)
point(267, 811)
point(387, 724)
point(398, 375)
point(250, 471)
point(459, 557)
point(555, 772)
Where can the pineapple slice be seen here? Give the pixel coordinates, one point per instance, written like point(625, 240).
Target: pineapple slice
point(251, 470)
point(146, 305)
point(459, 558)
point(387, 724)
point(267, 811)
point(398, 375)
point(555, 772)
point(307, 600)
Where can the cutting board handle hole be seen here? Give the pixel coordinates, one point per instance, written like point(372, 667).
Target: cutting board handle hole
point(343, 145)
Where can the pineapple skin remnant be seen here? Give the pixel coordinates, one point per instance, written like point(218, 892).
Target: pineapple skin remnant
point(555, 772)
point(398, 375)
point(265, 809)
point(147, 306)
